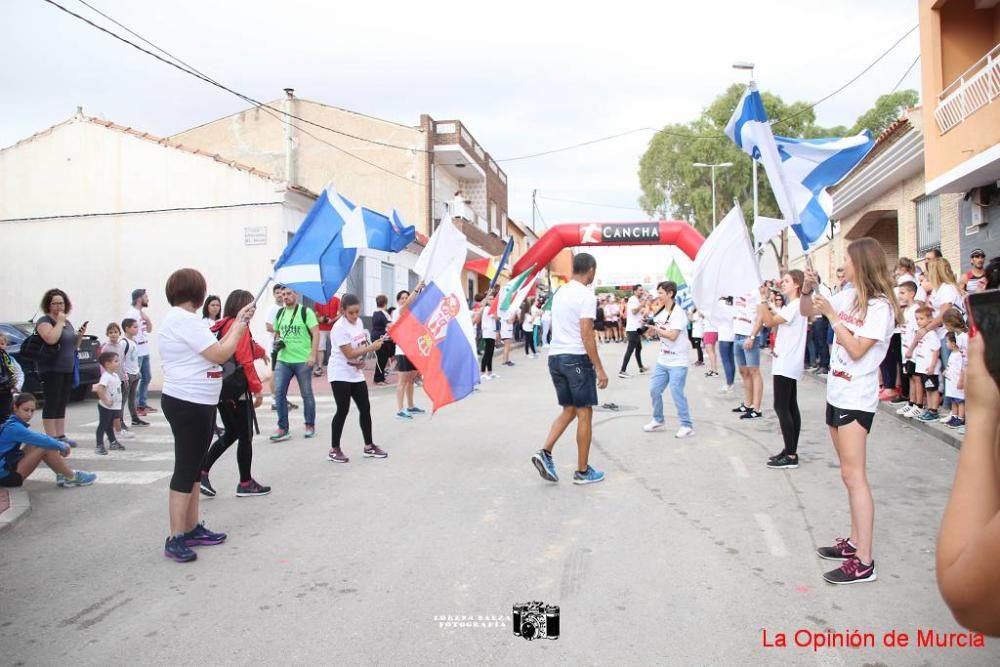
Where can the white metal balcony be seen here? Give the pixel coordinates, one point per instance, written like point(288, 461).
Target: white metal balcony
point(977, 87)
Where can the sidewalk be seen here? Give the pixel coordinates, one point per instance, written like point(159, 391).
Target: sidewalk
point(14, 504)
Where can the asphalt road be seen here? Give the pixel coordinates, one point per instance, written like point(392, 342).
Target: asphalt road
point(687, 554)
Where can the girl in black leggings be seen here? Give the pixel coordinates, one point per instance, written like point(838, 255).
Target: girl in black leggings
point(789, 359)
point(350, 344)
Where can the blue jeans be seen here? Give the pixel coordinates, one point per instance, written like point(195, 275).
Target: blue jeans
point(746, 358)
point(821, 332)
point(673, 377)
point(282, 378)
point(145, 375)
point(728, 364)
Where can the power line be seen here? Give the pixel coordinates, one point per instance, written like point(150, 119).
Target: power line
point(209, 80)
point(579, 145)
point(176, 209)
point(905, 74)
point(590, 203)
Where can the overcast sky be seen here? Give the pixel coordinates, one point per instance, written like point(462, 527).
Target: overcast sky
point(523, 76)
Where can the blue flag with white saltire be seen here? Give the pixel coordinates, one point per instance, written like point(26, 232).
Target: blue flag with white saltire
point(799, 170)
point(319, 257)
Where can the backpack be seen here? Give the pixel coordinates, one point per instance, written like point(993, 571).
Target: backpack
point(7, 378)
point(234, 379)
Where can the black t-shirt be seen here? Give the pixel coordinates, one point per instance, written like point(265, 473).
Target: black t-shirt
point(67, 351)
point(380, 322)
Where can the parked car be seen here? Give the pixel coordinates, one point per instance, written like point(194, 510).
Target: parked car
point(90, 371)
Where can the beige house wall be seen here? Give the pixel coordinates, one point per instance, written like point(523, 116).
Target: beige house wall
point(258, 138)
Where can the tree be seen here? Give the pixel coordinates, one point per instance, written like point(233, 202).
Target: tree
point(673, 187)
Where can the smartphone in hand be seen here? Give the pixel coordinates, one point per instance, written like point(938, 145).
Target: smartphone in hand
point(984, 315)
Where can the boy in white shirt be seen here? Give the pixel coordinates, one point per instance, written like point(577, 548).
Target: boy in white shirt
point(906, 293)
point(130, 363)
point(926, 355)
point(109, 393)
point(954, 375)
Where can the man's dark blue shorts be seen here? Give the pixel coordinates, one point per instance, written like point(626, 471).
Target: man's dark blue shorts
point(575, 380)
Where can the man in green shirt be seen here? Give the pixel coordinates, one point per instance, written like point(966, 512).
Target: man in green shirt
point(296, 333)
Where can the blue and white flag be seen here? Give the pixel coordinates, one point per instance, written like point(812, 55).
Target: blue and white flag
point(319, 257)
point(799, 170)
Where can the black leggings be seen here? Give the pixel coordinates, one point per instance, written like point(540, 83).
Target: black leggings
point(634, 344)
point(890, 365)
point(529, 342)
point(105, 424)
point(786, 406)
point(237, 419)
point(486, 365)
point(57, 387)
point(343, 393)
point(193, 426)
point(382, 361)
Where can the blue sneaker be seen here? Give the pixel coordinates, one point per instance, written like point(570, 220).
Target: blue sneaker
point(201, 536)
point(176, 549)
point(416, 411)
point(545, 465)
point(404, 415)
point(80, 478)
point(590, 477)
point(928, 417)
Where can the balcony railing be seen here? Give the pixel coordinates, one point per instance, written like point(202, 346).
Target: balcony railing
point(453, 131)
point(977, 87)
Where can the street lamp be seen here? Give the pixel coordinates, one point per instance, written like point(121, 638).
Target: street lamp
point(743, 64)
point(746, 65)
point(713, 167)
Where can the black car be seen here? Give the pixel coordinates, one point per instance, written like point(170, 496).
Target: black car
point(90, 371)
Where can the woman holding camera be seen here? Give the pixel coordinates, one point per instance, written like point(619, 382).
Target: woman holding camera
point(57, 373)
point(350, 344)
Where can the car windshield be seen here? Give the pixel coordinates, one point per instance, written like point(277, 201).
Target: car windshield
point(16, 331)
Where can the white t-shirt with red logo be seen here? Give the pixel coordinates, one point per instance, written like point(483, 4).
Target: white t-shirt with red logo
point(945, 294)
point(746, 314)
point(853, 383)
point(923, 355)
point(958, 361)
point(790, 342)
point(342, 369)
point(674, 353)
point(909, 330)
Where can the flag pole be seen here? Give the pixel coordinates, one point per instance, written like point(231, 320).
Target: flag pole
point(263, 287)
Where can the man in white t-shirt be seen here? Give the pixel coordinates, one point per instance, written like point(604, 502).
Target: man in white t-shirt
point(576, 370)
point(137, 312)
point(633, 324)
point(670, 324)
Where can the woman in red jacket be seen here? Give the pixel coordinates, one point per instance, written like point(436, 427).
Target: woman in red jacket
point(237, 415)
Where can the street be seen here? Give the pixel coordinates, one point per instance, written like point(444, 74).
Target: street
point(691, 552)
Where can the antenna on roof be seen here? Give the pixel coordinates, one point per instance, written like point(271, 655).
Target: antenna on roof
point(289, 93)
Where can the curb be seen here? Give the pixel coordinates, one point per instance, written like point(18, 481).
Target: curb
point(19, 506)
point(947, 437)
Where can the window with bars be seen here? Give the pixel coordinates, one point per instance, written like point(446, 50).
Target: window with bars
point(928, 224)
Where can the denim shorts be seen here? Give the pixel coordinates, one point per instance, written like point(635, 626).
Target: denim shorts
point(746, 358)
point(575, 380)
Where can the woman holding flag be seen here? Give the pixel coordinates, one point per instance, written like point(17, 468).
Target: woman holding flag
point(862, 316)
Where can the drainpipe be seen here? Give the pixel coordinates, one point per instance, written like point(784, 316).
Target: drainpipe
point(291, 152)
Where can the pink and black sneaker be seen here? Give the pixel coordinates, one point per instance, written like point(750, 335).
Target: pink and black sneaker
point(853, 571)
point(842, 550)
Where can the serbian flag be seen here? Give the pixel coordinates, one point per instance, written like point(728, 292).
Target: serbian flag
point(436, 328)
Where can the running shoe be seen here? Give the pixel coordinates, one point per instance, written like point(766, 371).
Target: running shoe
point(374, 452)
point(887, 395)
point(202, 536)
point(100, 450)
point(494, 376)
point(752, 414)
point(310, 432)
point(508, 363)
point(783, 461)
point(899, 399)
point(684, 432)
point(79, 478)
point(206, 486)
point(337, 456)
point(929, 416)
point(823, 371)
point(913, 412)
point(741, 409)
point(251, 488)
point(955, 422)
point(961, 430)
point(623, 375)
point(902, 410)
point(726, 389)
point(139, 422)
point(416, 411)
point(841, 550)
point(643, 371)
point(591, 476)
point(654, 426)
point(404, 415)
point(486, 376)
point(853, 571)
point(281, 435)
point(291, 406)
point(175, 549)
point(117, 446)
point(125, 434)
point(545, 465)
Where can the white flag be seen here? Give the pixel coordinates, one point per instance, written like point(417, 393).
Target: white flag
point(445, 252)
point(725, 264)
point(765, 229)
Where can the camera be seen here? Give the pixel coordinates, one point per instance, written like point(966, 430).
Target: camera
point(536, 620)
point(278, 346)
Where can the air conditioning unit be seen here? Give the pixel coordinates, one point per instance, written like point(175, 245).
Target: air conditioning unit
point(980, 198)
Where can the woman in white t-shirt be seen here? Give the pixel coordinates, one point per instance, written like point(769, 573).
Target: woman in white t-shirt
point(528, 328)
point(350, 344)
point(192, 379)
point(789, 327)
point(862, 317)
point(943, 295)
point(670, 323)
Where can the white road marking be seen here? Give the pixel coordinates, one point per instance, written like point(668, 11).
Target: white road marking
point(738, 467)
point(88, 454)
point(771, 535)
point(110, 476)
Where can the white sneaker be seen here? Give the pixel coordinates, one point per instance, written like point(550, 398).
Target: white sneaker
point(494, 376)
point(129, 435)
point(726, 389)
point(654, 426)
point(914, 411)
point(684, 432)
point(903, 410)
point(486, 376)
point(623, 375)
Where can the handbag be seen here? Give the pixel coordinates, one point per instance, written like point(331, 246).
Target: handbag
point(34, 348)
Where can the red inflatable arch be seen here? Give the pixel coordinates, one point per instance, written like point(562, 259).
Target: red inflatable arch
point(590, 234)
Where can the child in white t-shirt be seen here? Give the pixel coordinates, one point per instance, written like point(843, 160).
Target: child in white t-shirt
point(123, 348)
point(109, 406)
point(926, 355)
point(957, 340)
point(906, 293)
